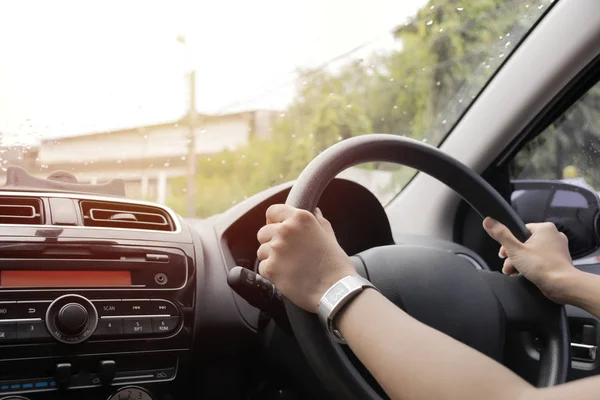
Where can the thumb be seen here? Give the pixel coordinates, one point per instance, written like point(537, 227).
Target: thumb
point(500, 233)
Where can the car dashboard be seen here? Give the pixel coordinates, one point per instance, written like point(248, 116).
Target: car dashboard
point(106, 297)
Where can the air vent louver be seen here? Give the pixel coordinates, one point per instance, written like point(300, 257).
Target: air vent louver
point(123, 215)
point(21, 210)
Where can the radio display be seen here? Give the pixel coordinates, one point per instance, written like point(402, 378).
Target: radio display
point(63, 279)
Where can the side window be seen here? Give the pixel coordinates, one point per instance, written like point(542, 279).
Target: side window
point(556, 176)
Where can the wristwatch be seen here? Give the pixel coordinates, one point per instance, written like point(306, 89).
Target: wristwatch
point(335, 298)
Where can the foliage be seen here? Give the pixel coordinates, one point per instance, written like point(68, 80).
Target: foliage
point(449, 50)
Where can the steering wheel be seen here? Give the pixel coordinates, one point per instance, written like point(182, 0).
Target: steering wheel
point(436, 287)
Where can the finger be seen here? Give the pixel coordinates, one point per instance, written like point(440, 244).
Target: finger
point(263, 269)
point(263, 251)
point(279, 212)
point(322, 221)
point(267, 232)
point(508, 268)
point(535, 227)
point(500, 233)
point(502, 253)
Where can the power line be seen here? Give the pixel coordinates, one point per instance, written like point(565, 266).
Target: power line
point(323, 66)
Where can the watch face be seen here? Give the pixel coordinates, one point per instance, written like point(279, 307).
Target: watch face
point(337, 293)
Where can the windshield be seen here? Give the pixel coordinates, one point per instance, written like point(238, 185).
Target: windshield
point(199, 105)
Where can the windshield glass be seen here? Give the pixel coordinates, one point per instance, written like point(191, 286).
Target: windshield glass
point(199, 105)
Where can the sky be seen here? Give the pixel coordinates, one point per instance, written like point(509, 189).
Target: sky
point(76, 67)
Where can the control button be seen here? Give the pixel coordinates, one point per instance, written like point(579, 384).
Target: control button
point(109, 327)
point(63, 374)
point(8, 310)
point(32, 330)
point(72, 318)
point(107, 370)
point(31, 309)
point(8, 331)
point(157, 257)
point(135, 307)
point(108, 307)
point(164, 325)
point(161, 279)
point(161, 307)
point(137, 326)
point(163, 374)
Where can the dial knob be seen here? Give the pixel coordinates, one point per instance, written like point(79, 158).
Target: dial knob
point(72, 318)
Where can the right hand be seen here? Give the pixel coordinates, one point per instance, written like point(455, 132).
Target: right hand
point(544, 258)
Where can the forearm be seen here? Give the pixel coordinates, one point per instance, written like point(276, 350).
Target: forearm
point(413, 361)
point(583, 291)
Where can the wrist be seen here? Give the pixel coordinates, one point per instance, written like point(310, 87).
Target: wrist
point(569, 287)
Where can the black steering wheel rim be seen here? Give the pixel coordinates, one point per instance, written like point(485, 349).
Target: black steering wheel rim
point(328, 358)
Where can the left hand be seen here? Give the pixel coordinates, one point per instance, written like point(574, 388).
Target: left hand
point(300, 255)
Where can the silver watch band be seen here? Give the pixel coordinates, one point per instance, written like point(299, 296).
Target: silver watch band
point(334, 300)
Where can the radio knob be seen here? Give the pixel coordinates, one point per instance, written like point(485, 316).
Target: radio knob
point(72, 318)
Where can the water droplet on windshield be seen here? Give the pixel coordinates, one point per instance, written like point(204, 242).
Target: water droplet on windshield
point(293, 135)
point(145, 136)
point(424, 140)
point(438, 83)
point(223, 162)
point(202, 131)
point(507, 44)
point(280, 176)
point(119, 161)
point(500, 37)
point(233, 201)
point(349, 105)
point(501, 55)
point(166, 164)
point(256, 163)
point(508, 34)
point(540, 6)
point(383, 118)
point(460, 100)
point(395, 107)
point(459, 8)
point(526, 5)
point(444, 122)
point(4, 169)
point(430, 22)
point(208, 159)
point(183, 158)
point(432, 7)
point(176, 125)
point(243, 156)
point(339, 138)
point(282, 115)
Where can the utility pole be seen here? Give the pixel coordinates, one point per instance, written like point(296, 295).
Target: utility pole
point(191, 156)
point(191, 123)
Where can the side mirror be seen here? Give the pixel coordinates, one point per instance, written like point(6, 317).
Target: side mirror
point(574, 210)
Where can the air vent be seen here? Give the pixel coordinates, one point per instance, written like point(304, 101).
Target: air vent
point(123, 215)
point(21, 210)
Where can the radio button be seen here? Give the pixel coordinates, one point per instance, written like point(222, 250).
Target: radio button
point(8, 310)
point(135, 307)
point(109, 327)
point(137, 326)
point(108, 307)
point(32, 330)
point(8, 331)
point(162, 307)
point(164, 325)
point(31, 309)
